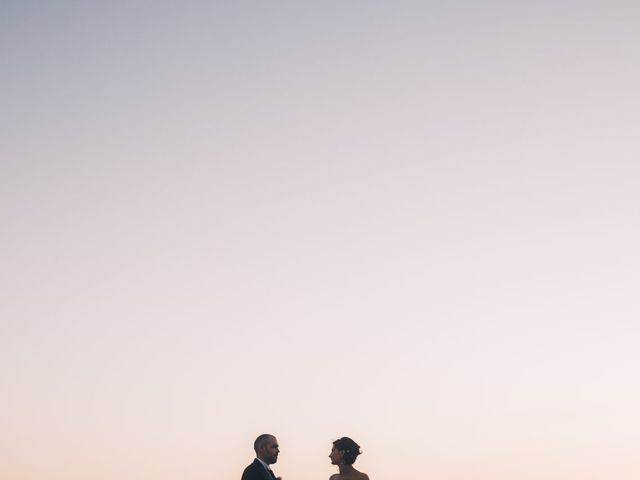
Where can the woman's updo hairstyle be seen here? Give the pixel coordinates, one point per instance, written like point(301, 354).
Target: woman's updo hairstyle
point(350, 449)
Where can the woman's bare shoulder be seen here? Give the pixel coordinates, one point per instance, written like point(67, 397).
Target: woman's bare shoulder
point(353, 476)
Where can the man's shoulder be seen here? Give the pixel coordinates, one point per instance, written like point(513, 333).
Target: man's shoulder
point(254, 464)
point(250, 471)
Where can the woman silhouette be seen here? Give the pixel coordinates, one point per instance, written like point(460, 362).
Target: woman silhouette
point(343, 454)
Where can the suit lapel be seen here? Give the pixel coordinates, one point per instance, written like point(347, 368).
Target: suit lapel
point(265, 473)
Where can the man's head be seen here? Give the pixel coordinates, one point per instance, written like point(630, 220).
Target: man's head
point(267, 448)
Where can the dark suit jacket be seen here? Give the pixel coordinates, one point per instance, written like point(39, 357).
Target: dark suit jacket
point(256, 471)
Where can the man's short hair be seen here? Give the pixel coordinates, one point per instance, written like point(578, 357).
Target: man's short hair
point(261, 441)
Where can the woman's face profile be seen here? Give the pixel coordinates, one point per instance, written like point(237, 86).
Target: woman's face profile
point(335, 456)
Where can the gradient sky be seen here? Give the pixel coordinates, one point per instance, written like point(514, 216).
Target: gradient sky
point(412, 223)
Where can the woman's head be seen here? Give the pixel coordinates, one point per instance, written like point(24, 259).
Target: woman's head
point(347, 449)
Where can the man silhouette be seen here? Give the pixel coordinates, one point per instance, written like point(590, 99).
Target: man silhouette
point(267, 449)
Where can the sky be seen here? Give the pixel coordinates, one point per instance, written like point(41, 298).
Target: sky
point(410, 223)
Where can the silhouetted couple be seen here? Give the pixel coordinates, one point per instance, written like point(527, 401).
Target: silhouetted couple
point(343, 454)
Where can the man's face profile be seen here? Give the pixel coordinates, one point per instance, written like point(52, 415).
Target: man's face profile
point(269, 450)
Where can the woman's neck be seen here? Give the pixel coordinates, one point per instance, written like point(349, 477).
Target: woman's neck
point(345, 469)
